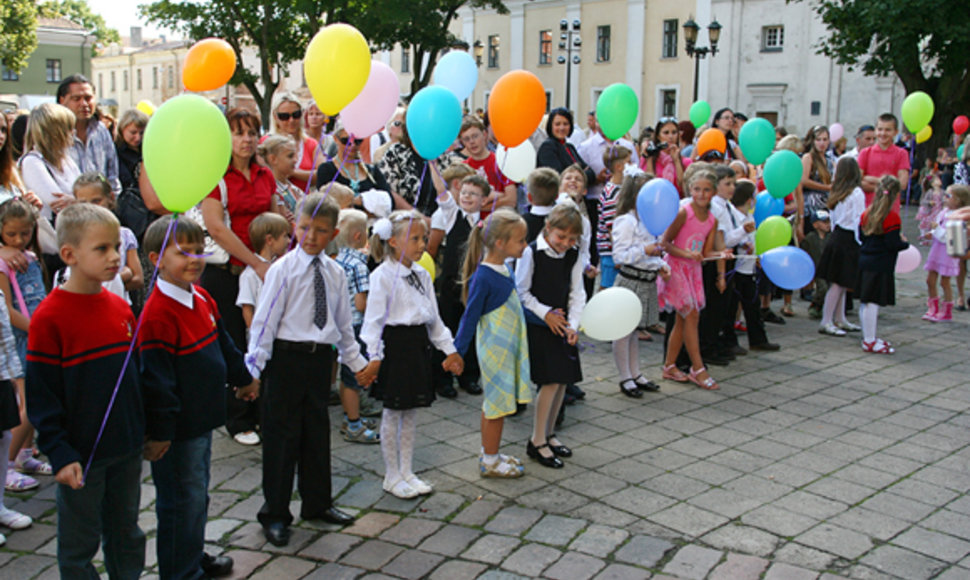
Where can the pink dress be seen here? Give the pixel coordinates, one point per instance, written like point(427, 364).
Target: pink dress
point(684, 291)
point(930, 206)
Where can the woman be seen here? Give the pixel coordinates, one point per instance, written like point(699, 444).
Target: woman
point(47, 168)
point(395, 132)
point(557, 153)
point(348, 169)
point(664, 158)
point(817, 169)
point(315, 125)
point(413, 183)
point(287, 121)
point(249, 188)
point(131, 130)
point(724, 121)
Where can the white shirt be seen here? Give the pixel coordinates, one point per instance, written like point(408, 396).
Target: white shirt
point(180, 295)
point(744, 265)
point(630, 240)
point(250, 286)
point(394, 301)
point(45, 180)
point(733, 234)
point(444, 217)
point(291, 317)
point(592, 149)
point(525, 266)
point(848, 213)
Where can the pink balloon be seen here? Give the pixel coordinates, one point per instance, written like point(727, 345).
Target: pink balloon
point(908, 260)
point(836, 131)
point(373, 107)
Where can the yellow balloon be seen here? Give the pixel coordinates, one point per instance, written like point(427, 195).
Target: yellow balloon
point(427, 262)
point(146, 107)
point(336, 66)
point(924, 134)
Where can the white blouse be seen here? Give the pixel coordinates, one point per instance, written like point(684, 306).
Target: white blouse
point(630, 239)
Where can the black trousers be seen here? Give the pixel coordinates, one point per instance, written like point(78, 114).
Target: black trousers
point(745, 293)
point(714, 312)
point(223, 285)
point(296, 433)
point(450, 308)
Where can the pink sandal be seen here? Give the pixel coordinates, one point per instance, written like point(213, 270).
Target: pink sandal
point(708, 384)
point(672, 373)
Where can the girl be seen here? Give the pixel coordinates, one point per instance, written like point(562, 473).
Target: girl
point(882, 240)
point(11, 416)
point(930, 206)
point(688, 241)
point(938, 263)
point(279, 152)
point(549, 278)
point(840, 257)
point(494, 315)
point(401, 323)
point(816, 173)
point(637, 257)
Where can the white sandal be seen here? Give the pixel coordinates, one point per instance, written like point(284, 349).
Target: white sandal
point(14, 520)
point(419, 485)
point(400, 489)
point(502, 469)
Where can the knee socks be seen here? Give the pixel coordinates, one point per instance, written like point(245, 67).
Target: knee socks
point(834, 298)
point(554, 412)
point(545, 400)
point(869, 314)
point(397, 442)
point(621, 356)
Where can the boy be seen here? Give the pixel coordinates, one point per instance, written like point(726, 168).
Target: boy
point(302, 312)
point(270, 235)
point(502, 191)
point(614, 159)
point(187, 354)
point(78, 341)
point(730, 233)
point(883, 158)
point(814, 243)
point(543, 185)
point(352, 224)
point(452, 226)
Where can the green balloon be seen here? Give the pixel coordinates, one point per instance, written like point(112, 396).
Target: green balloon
point(757, 140)
point(783, 173)
point(774, 232)
point(917, 111)
point(187, 147)
point(617, 110)
point(700, 112)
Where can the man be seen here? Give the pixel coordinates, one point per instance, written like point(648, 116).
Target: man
point(864, 138)
point(883, 158)
point(94, 148)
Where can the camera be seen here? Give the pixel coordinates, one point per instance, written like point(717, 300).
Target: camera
point(654, 149)
point(956, 237)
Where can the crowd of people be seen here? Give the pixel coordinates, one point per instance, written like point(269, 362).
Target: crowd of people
point(326, 260)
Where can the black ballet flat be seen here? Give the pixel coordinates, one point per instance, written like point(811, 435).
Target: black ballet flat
point(560, 450)
point(532, 451)
point(633, 391)
point(644, 384)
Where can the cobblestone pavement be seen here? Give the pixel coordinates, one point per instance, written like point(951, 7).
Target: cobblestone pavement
point(818, 461)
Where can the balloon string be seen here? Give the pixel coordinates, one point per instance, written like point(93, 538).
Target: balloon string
point(131, 349)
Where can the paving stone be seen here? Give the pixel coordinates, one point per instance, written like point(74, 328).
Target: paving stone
point(903, 563)
point(439, 505)
point(870, 523)
point(453, 569)
point(837, 540)
point(741, 538)
point(599, 540)
point(574, 566)
point(513, 520)
point(778, 521)
point(779, 571)
point(477, 513)
point(331, 571)
point(693, 562)
point(898, 506)
point(450, 540)
point(639, 501)
point(30, 539)
point(501, 575)
point(215, 530)
point(363, 494)
point(299, 538)
point(724, 502)
point(244, 562)
point(739, 567)
point(284, 567)
point(689, 520)
point(27, 566)
point(411, 531)
point(643, 551)
point(492, 548)
point(934, 544)
point(622, 572)
point(412, 564)
point(371, 525)
point(330, 547)
point(372, 555)
point(249, 536)
point(810, 505)
point(555, 530)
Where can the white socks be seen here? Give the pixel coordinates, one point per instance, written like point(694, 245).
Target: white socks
point(398, 430)
point(869, 315)
point(834, 306)
point(626, 355)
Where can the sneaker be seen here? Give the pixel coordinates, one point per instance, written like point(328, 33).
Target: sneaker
point(13, 519)
point(19, 482)
point(362, 435)
point(370, 407)
point(368, 423)
point(248, 438)
point(500, 469)
point(768, 316)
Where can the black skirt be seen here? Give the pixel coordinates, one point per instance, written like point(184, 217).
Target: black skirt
point(875, 287)
point(839, 263)
point(552, 360)
point(404, 381)
point(9, 412)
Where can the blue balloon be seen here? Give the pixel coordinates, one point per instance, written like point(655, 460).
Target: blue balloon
point(657, 205)
point(765, 206)
point(457, 72)
point(433, 120)
point(788, 267)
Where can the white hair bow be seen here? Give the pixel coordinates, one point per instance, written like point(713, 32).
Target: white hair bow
point(383, 229)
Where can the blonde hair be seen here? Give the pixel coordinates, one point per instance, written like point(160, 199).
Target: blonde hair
point(566, 217)
point(96, 179)
point(790, 143)
point(882, 204)
point(130, 117)
point(961, 193)
point(267, 224)
point(393, 226)
point(543, 185)
point(349, 222)
point(694, 168)
point(49, 130)
point(341, 194)
point(702, 174)
point(456, 171)
point(278, 100)
point(74, 221)
point(273, 143)
point(498, 226)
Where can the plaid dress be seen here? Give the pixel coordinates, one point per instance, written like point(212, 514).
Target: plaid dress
point(503, 356)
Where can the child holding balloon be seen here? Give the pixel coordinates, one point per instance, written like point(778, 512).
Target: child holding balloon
point(939, 265)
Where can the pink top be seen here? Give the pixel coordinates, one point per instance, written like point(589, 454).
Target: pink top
point(875, 161)
point(693, 234)
point(664, 167)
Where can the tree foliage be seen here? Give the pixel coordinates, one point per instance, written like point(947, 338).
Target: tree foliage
point(79, 12)
point(923, 42)
point(18, 33)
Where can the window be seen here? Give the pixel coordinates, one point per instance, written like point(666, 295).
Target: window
point(772, 38)
point(124, 80)
point(670, 39)
point(171, 77)
point(53, 70)
point(138, 79)
point(100, 83)
point(9, 74)
point(816, 108)
point(405, 60)
point(548, 101)
point(493, 42)
point(545, 47)
point(668, 103)
point(114, 88)
point(603, 43)
point(154, 77)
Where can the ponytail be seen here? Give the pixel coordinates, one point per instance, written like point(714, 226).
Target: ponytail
point(473, 256)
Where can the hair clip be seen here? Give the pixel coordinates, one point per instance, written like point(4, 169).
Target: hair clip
point(383, 228)
point(480, 224)
point(632, 170)
point(885, 192)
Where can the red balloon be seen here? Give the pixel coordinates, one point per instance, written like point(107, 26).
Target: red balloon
point(961, 124)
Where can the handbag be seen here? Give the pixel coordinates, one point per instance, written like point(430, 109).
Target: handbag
point(214, 253)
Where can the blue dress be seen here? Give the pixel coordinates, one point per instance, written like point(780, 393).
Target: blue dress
point(31, 285)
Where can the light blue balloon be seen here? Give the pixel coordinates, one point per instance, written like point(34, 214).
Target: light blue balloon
point(457, 72)
point(788, 267)
point(657, 205)
point(433, 120)
point(765, 206)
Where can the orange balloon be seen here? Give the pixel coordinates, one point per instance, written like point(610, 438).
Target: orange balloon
point(711, 140)
point(209, 64)
point(516, 106)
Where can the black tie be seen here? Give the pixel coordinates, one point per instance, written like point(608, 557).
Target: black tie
point(319, 295)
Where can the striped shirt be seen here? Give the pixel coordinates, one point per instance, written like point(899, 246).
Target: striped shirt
point(604, 229)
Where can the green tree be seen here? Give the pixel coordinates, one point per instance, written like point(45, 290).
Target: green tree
point(923, 42)
point(18, 33)
point(79, 12)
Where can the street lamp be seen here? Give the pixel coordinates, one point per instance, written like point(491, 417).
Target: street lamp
point(569, 42)
point(691, 29)
point(479, 50)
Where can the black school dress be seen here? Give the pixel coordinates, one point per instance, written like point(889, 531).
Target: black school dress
point(552, 360)
point(876, 281)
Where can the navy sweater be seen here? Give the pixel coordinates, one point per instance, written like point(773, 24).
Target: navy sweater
point(487, 291)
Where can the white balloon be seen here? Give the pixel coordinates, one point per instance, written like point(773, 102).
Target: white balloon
point(518, 162)
point(611, 314)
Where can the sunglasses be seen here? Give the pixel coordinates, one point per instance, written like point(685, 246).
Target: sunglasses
point(666, 120)
point(345, 140)
point(287, 116)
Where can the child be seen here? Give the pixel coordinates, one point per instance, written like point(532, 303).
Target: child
point(938, 263)
point(495, 314)
point(930, 206)
point(549, 279)
point(730, 233)
point(637, 256)
point(814, 243)
point(186, 354)
point(840, 258)
point(614, 159)
point(543, 184)
point(270, 235)
point(77, 345)
point(352, 225)
point(688, 241)
point(400, 325)
point(882, 241)
point(11, 373)
point(279, 152)
point(303, 310)
point(572, 183)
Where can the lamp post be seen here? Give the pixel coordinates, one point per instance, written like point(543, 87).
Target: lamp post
point(569, 43)
point(479, 49)
point(691, 29)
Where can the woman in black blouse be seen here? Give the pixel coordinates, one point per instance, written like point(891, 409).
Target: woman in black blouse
point(556, 152)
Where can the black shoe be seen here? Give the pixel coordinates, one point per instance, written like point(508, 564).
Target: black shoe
point(768, 316)
point(520, 408)
point(277, 534)
point(715, 360)
point(216, 566)
point(576, 392)
point(533, 452)
point(560, 450)
point(728, 354)
point(568, 399)
point(447, 391)
point(472, 388)
point(645, 384)
point(738, 350)
point(633, 391)
point(335, 516)
point(769, 346)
